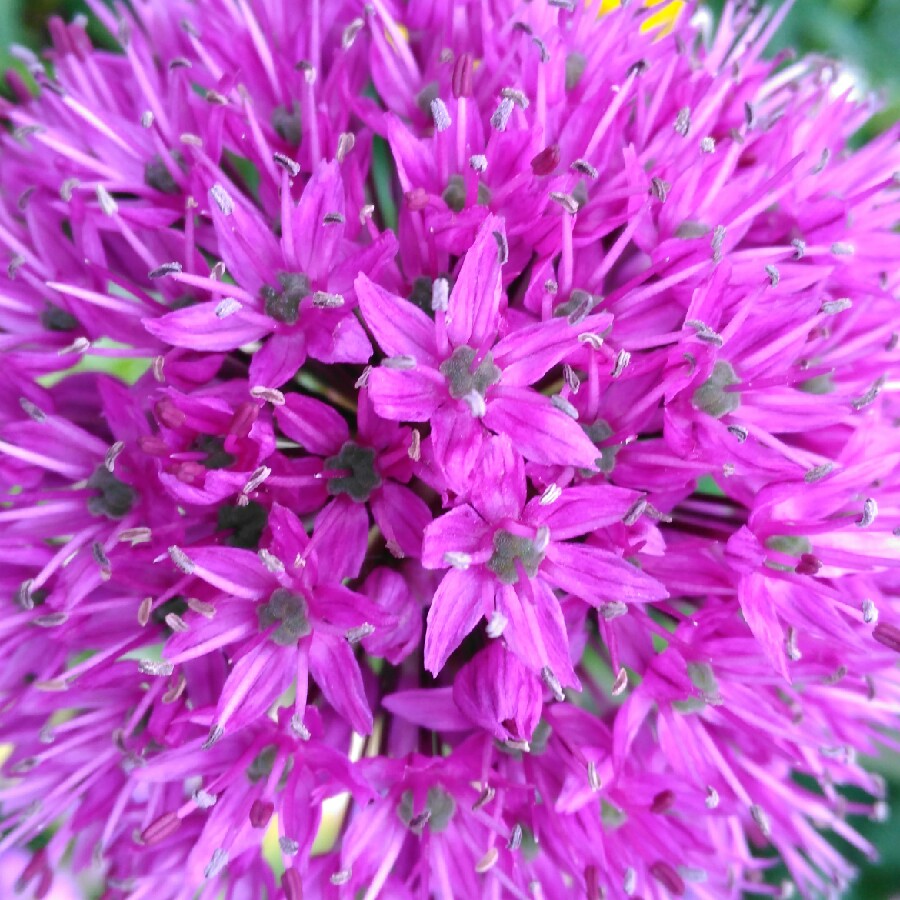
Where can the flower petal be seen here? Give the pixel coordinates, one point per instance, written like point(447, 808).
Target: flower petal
point(335, 670)
point(340, 538)
point(199, 328)
point(317, 427)
point(407, 395)
point(461, 599)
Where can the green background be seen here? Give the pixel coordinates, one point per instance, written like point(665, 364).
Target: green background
point(865, 33)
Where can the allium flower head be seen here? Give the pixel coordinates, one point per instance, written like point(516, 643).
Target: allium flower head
point(447, 450)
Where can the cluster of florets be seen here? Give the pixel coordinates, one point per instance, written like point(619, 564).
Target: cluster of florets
point(450, 445)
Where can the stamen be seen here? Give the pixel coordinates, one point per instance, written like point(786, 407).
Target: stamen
point(515, 838)
point(228, 306)
point(564, 406)
point(869, 513)
point(621, 682)
point(613, 609)
point(623, 358)
point(870, 612)
point(218, 862)
point(355, 635)
point(440, 114)
point(181, 560)
point(488, 861)
point(342, 876)
point(500, 118)
point(552, 682)
point(833, 307)
point(683, 121)
point(222, 199)
point(289, 165)
point(169, 268)
point(887, 635)
point(458, 560)
point(817, 473)
point(269, 395)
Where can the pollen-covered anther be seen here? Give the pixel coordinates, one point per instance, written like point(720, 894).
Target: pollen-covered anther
point(500, 118)
point(217, 863)
point(620, 683)
point(181, 560)
point(458, 560)
point(488, 861)
point(553, 684)
point(227, 306)
point(683, 121)
point(593, 776)
point(869, 513)
point(869, 612)
point(660, 188)
point(203, 799)
point(155, 668)
point(326, 300)
point(269, 395)
point(613, 609)
point(169, 268)
point(773, 275)
point(292, 167)
point(623, 358)
point(496, 625)
point(833, 307)
point(564, 406)
point(355, 635)
point(342, 876)
point(222, 199)
point(440, 115)
point(705, 333)
point(567, 201)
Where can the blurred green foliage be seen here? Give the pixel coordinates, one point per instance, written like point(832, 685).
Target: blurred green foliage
point(864, 33)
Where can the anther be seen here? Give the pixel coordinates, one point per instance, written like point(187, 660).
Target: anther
point(613, 609)
point(169, 268)
point(292, 167)
point(342, 876)
point(660, 188)
point(458, 560)
point(222, 199)
point(568, 202)
point(683, 121)
point(500, 118)
point(583, 167)
point(593, 776)
point(478, 162)
point(440, 114)
point(157, 669)
point(348, 37)
point(502, 247)
point(355, 635)
point(707, 145)
point(497, 625)
point(564, 406)
point(870, 612)
point(204, 800)
point(269, 395)
point(217, 863)
point(833, 307)
point(869, 513)
point(515, 838)
point(228, 306)
point(488, 861)
point(181, 560)
point(552, 682)
point(621, 682)
point(623, 358)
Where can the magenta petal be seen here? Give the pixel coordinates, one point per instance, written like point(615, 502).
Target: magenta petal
point(432, 708)
point(337, 338)
point(402, 516)
point(459, 602)
point(232, 570)
point(400, 327)
point(527, 354)
point(461, 530)
point(598, 576)
point(336, 671)
point(582, 509)
point(410, 395)
point(474, 304)
point(255, 682)
point(315, 426)
point(456, 437)
point(315, 241)
point(340, 538)
point(540, 432)
point(498, 486)
point(199, 328)
point(760, 613)
point(289, 540)
point(278, 360)
point(499, 694)
point(536, 629)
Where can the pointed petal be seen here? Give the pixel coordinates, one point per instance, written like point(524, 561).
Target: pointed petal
point(289, 540)
point(431, 708)
point(536, 629)
point(315, 241)
point(498, 486)
point(456, 437)
point(582, 509)
point(598, 576)
point(410, 395)
point(199, 328)
point(337, 338)
point(278, 360)
point(335, 670)
point(461, 530)
point(232, 570)
point(527, 354)
point(460, 601)
point(315, 426)
point(402, 515)
point(340, 539)
point(474, 308)
point(541, 433)
point(400, 327)
point(762, 618)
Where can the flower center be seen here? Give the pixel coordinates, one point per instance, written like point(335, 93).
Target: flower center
point(510, 550)
point(115, 498)
point(468, 384)
point(290, 612)
point(359, 465)
point(284, 305)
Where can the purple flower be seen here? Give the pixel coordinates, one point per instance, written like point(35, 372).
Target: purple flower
point(509, 556)
point(327, 336)
point(454, 372)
